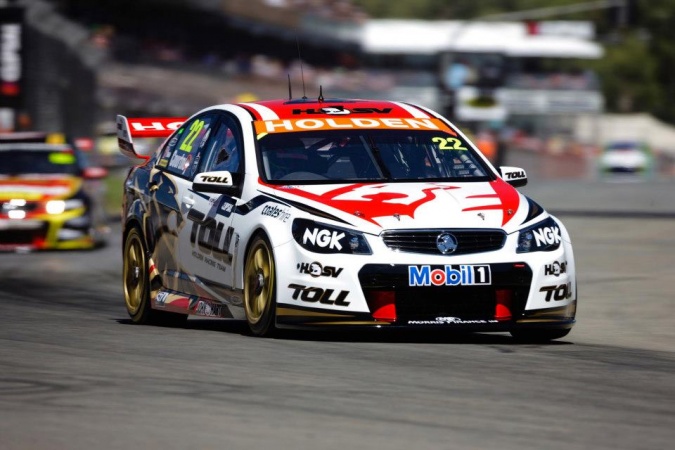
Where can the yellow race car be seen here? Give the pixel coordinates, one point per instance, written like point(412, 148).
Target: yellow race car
point(48, 197)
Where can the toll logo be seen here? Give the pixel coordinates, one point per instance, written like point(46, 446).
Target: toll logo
point(318, 295)
point(557, 293)
point(449, 275)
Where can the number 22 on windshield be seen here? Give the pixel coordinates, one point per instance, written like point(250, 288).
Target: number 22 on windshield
point(449, 143)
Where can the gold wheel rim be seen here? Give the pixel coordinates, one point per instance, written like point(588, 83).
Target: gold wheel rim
point(259, 278)
point(134, 276)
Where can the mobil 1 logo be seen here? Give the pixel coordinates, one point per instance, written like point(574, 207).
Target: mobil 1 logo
point(449, 275)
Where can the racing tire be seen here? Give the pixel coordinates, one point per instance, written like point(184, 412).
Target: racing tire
point(260, 287)
point(533, 335)
point(136, 279)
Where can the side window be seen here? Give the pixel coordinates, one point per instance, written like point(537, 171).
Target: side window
point(184, 151)
point(225, 149)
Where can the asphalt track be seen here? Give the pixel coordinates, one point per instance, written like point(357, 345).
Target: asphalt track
point(75, 374)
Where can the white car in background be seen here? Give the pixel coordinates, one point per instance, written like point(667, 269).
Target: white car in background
point(626, 157)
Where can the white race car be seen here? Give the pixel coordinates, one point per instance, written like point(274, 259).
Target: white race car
point(337, 213)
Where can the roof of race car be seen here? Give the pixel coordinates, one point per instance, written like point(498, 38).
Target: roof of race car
point(292, 109)
point(279, 116)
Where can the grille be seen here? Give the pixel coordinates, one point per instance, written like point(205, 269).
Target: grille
point(464, 302)
point(23, 237)
point(424, 241)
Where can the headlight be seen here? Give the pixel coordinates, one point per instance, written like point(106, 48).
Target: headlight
point(59, 206)
point(321, 238)
point(542, 237)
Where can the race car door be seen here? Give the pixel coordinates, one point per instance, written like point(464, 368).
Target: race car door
point(206, 241)
point(171, 184)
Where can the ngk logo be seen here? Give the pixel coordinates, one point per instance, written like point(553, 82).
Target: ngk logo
point(546, 236)
point(323, 238)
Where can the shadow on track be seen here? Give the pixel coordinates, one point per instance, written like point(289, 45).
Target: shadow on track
point(400, 336)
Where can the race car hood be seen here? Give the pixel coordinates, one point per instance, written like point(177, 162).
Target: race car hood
point(374, 207)
point(35, 188)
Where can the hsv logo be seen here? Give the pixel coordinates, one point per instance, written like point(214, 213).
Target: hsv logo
point(558, 293)
point(546, 236)
point(315, 294)
point(455, 275)
point(323, 238)
point(315, 269)
point(341, 110)
point(556, 268)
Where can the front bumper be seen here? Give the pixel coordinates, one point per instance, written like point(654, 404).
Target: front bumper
point(69, 230)
point(501, 306)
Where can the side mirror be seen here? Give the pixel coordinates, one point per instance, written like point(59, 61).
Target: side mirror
point(218, 182)
point(94, 173)
point(515, 176)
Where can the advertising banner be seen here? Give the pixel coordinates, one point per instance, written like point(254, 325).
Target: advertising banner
point(11, 57)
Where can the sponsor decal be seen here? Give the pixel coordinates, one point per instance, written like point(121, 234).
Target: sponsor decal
point(160, 300)
point(316, 269)
point(449, 275)
point(560, 292)
point(155, 126)
point(555, 268)
point(341, 110)
point(286, 125)
point(276, 212)
point(214, 179)
point(208, 309)
point(323, 238)
point(315, 294)
point(205, 239)
point(452, 321)
point(515, 175)
point(545, 236)
point(226, 209)
point(180, 161)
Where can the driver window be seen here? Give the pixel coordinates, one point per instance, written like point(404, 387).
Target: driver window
point(187, 147)
point(225, 150)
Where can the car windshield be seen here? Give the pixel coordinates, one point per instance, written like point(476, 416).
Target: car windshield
point(369, 155)
point(622, 146)
point(22, 161)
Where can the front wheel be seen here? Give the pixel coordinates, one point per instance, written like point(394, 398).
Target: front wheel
point(535, 335)
point(259, 287)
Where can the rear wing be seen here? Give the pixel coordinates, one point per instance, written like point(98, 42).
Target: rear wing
point(146, 127)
